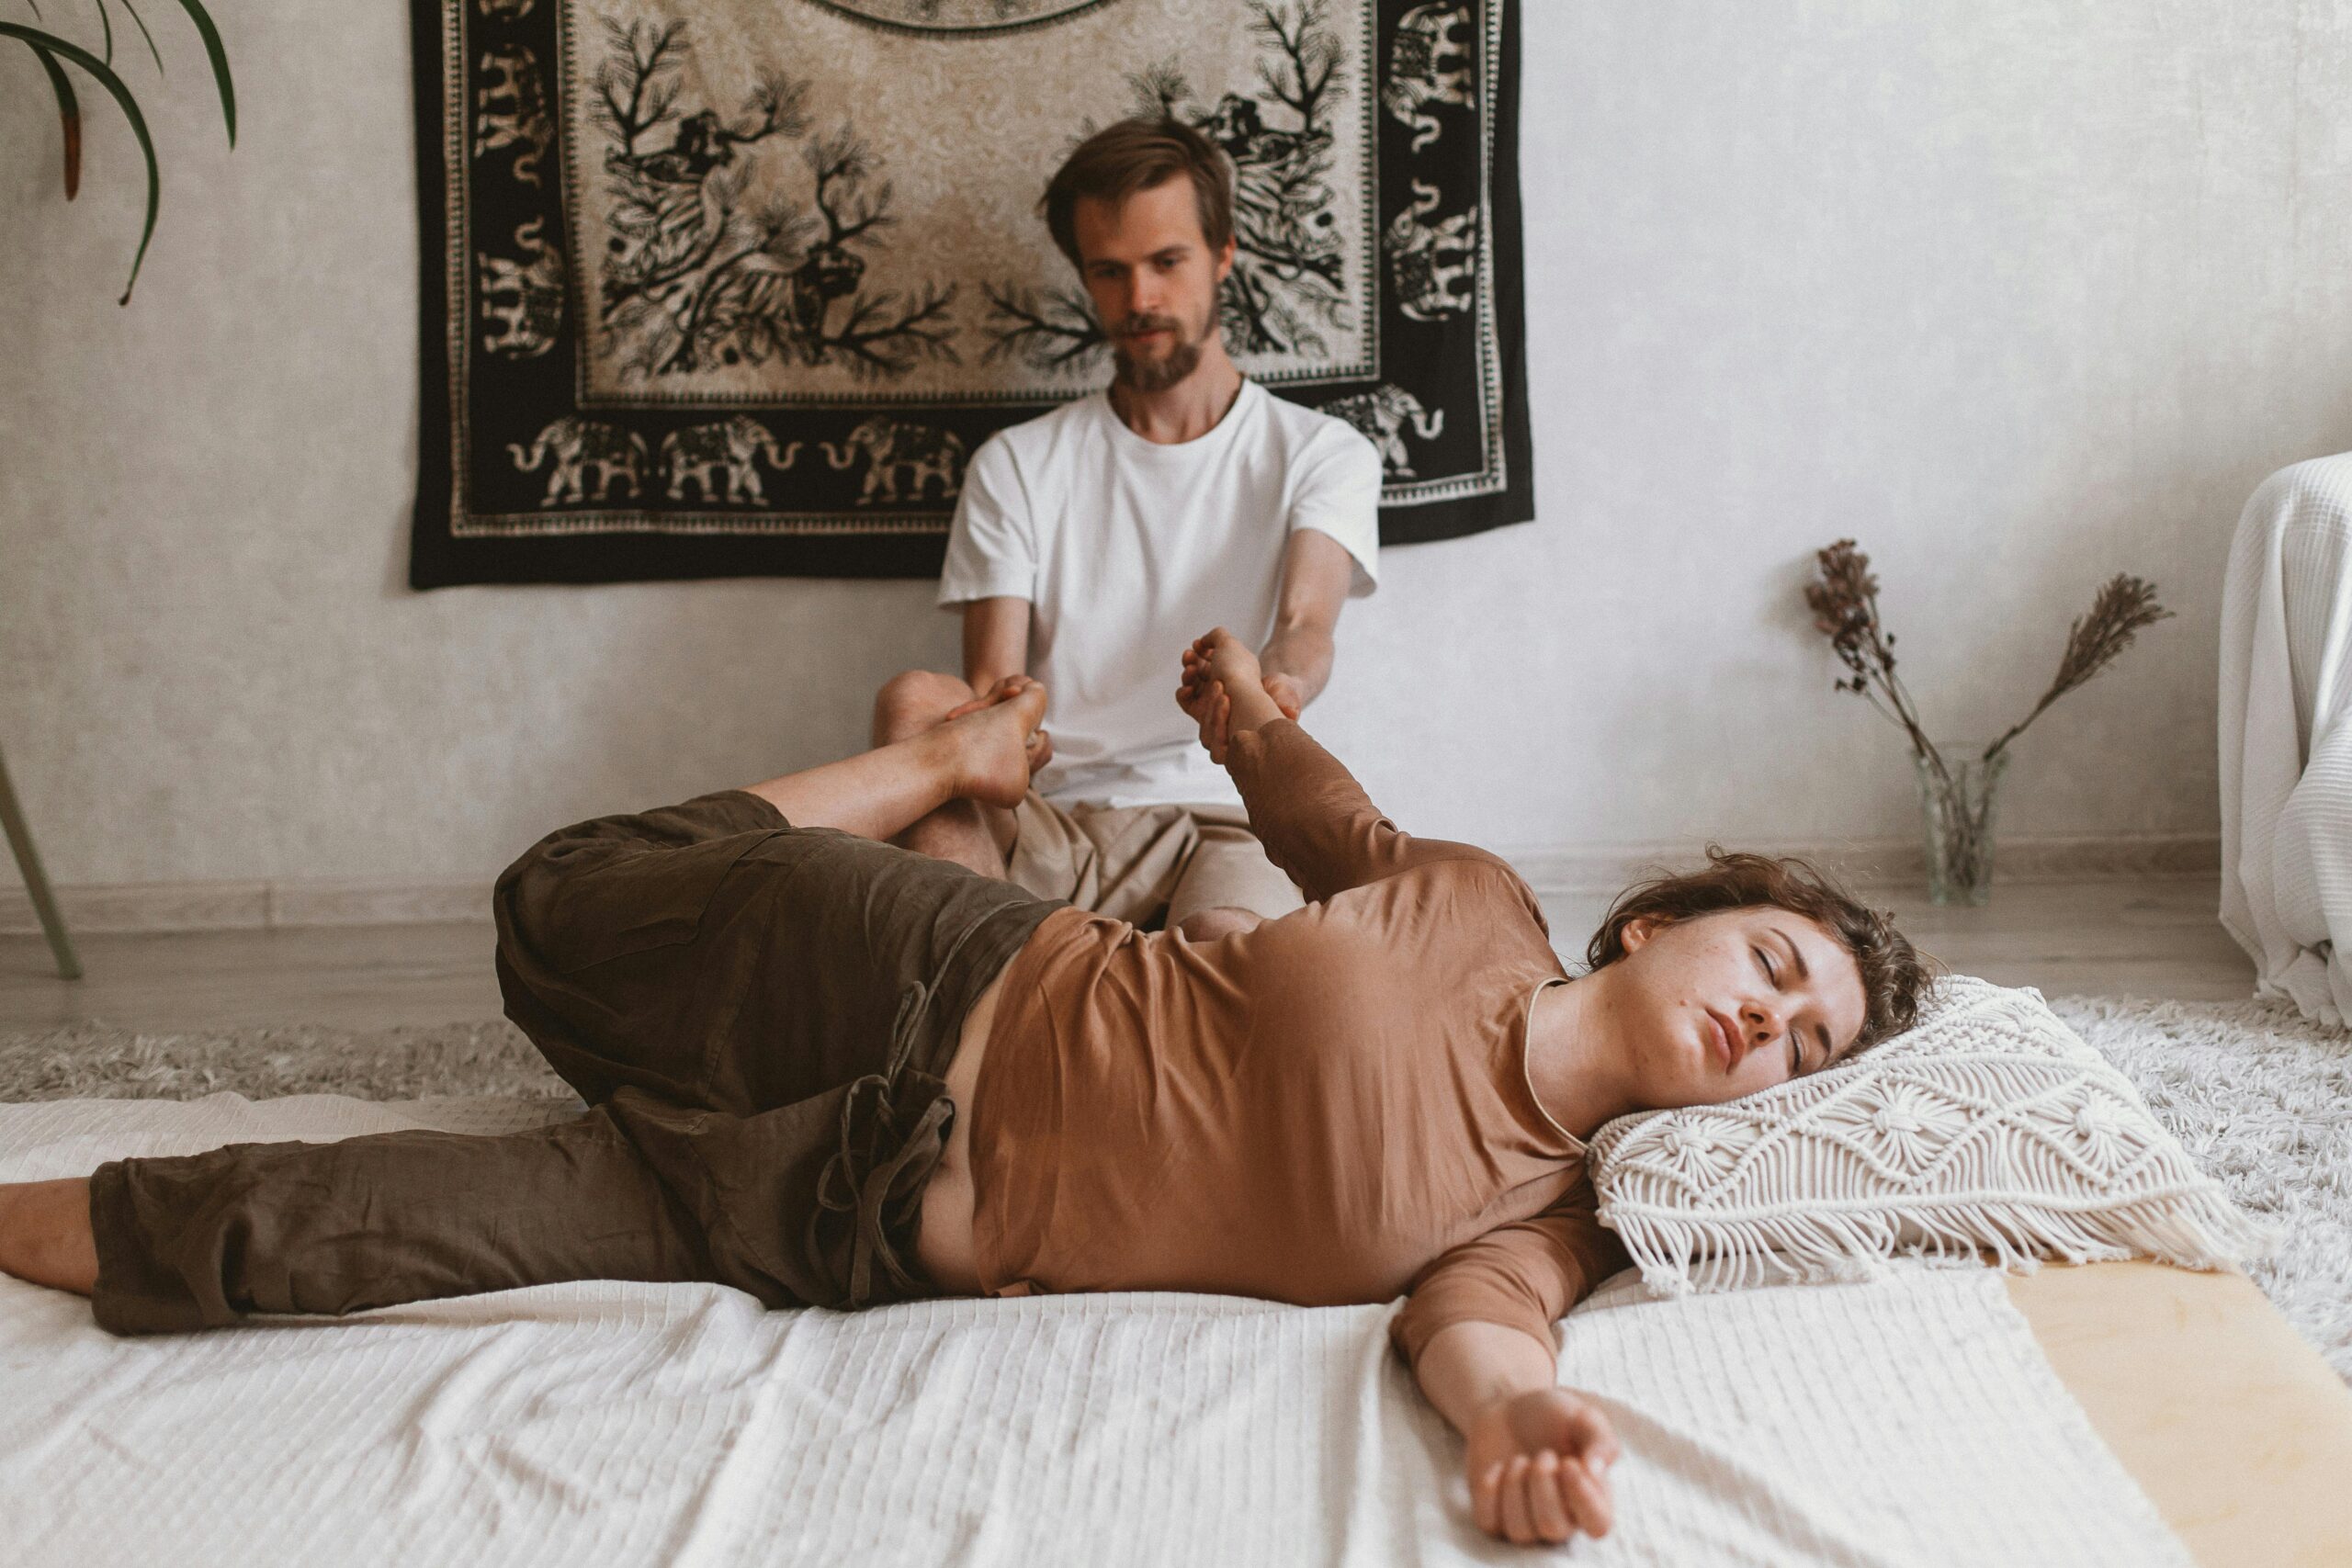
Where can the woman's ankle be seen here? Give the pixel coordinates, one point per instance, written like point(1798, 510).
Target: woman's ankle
point(45, 1234)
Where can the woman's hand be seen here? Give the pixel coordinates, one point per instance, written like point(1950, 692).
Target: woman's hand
point(1538, 1465)
point(1224, 658)
point(1206, 703)
point(1215, 666)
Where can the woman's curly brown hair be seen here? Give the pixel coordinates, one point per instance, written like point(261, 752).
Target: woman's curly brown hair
point(1894, 974)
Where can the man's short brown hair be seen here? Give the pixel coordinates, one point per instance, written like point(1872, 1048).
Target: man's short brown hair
point(1894, 975)
point(1137, 155)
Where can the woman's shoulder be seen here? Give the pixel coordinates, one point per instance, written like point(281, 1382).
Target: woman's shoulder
point(1484, 874)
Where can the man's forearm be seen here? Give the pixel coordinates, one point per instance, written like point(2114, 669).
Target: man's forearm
point(996, 640)
point(1302, 653)
point(1466, 1367)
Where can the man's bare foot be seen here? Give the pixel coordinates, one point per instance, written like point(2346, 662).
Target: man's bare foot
point(998, 744)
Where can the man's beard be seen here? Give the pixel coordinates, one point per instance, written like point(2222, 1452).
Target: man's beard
point(1158, 374)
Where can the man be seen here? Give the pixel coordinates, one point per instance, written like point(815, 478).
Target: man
point(1091, 545)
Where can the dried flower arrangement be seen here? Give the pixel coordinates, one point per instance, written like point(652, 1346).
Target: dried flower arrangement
point(1843, 596)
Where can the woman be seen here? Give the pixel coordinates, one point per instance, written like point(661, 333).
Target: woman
point(776, 1017)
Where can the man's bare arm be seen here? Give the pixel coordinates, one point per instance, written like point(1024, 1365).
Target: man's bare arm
point(996, 640)
point(1317, 571)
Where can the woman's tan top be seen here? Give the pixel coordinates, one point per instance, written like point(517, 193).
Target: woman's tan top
point(1332, 1108)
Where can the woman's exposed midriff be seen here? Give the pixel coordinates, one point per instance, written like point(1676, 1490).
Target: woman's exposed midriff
point(943, 1235)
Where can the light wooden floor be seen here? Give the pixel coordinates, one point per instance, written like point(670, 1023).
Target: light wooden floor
point(2154, 937)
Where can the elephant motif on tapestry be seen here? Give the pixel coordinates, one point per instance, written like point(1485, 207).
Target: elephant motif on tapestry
point(523, 301)
point(1428, 63)
point(730, 450)
point(1384, 414)
point(1433, 266)
point(895, 447)
point(511, 108)
point(581, 449)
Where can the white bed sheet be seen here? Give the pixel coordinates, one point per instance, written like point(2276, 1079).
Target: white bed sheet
point(1909, 1421)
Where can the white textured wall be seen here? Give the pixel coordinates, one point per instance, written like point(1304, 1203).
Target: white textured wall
point(2019, 295)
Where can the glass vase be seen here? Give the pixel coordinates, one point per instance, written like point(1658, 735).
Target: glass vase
point(1958, 790)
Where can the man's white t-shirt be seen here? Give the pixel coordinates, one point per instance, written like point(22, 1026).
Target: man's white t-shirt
point(1127, 550)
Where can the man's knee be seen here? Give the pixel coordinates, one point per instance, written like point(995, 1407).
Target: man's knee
point(913, 701)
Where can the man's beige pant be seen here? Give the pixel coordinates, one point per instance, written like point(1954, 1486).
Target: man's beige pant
point(1146, 863)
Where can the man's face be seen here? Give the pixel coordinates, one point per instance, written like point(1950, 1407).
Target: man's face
point(1153, 279)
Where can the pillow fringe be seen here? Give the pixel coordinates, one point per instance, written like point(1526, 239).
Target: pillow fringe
point(2200, 1230)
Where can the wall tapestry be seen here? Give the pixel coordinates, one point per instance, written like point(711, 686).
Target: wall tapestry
point(733, 287)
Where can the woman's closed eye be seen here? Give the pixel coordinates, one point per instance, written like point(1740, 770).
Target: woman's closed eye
point(1764, 961)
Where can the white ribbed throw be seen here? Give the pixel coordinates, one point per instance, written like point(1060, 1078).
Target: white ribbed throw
point(1990, 1127)
point(1910, 1421)
point(2286, 736)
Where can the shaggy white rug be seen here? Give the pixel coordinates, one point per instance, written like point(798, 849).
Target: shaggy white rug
point(101, 1061)
point(2262, 1098)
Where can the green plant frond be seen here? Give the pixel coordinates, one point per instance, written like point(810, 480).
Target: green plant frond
point(218, 55)
point(103, 74)
point(69, 118)
point(153, 53)
point(107, 22)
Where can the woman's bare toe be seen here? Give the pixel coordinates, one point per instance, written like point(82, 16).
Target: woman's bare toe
point(1004, 690)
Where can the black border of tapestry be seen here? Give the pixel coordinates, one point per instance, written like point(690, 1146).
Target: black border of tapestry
point(523, 477)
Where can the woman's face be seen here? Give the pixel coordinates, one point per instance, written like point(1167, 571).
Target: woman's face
point(1721, 1005)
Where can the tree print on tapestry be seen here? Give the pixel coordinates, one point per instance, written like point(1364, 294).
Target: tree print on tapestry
point(694, 276)
point(738, 286)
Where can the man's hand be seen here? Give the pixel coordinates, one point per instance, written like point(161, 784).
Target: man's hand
point(1538, 1465)
point(1287, 694)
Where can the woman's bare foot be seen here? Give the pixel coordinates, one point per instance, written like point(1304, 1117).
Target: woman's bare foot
point(1040, 743)
point(996, 742)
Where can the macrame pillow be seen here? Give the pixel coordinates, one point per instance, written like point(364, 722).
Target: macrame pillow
point(1991, 1127)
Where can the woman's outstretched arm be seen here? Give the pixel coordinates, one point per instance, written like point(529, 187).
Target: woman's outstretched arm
point(1537, 1455)
point(1314, 819)
point(1477, 1332)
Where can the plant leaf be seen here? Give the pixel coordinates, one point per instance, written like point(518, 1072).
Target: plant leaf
point(69, 118)
point(220, 58)
point(153, 52)
point(108, 23)
point(104, 76)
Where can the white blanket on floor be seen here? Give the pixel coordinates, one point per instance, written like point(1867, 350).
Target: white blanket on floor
point(1910, 1421)
point(2286, 736)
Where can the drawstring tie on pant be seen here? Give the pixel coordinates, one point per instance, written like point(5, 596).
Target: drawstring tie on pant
point(888, 1152)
